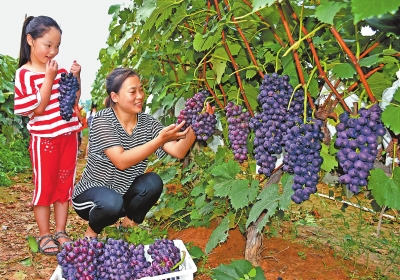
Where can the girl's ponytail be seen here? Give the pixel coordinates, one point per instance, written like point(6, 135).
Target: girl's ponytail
point(25, 49)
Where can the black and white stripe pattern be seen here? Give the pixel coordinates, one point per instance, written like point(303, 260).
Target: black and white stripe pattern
point(107, 132)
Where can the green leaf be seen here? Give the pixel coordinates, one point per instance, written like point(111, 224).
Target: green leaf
point(370, 60)
point(239, 194)
point(113, 8)
point(385, 190)
point(33, 245)
point(258, 4)
point(396, 96)
point(362, 9)
point(391, 118)
point(195, 252)
point(327, 10)
point(267, 200)
point(198, 42)
point(344, 70)
point(225, 272)
point(219, 67)
point(227, 170)
point(330, 161)
point(287, 191)
point(219, 235)
point(378, 82)
point(168, 174)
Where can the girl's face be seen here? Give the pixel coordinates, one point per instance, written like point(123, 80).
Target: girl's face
point(46, 47)
point(130, 97)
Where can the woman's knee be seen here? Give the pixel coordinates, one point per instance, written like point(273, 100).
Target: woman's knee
point(154, 182)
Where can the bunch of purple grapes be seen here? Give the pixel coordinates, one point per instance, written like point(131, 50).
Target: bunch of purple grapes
point(271, 124)
point(165, 255)
point(137, 261)
point(302, 144)
point(357, 140)
point(68, 86)
point(116, 261)
point(203, 124)
point(238, 130)
point(79, 259)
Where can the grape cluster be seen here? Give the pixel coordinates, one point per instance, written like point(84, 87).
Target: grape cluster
point(116, 259)
point(79, 259)
point(193, 106)
point(238, 130)
point(203, 124)
point(302, 144)
point(357, 140)
point(68, 86)
point(272, 123)
point(165, 256)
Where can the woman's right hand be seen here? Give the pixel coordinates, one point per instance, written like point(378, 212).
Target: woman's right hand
point(172, 132)
point(51, 69)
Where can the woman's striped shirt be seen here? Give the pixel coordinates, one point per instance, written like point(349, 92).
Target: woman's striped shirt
point(27, 98)
point(107, 132)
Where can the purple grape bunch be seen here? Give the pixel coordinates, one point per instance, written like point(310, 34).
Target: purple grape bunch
point(165, 255)
point(238, 130)
point(203, 124)
point(79, 259)
point(68, 86)
point(117, 261)
point(302, 144)
point(271, 124)
point(357, 140)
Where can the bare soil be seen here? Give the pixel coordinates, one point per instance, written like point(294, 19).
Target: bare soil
point(291, 254)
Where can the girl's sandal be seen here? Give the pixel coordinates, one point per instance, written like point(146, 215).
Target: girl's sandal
point(43, 248)
point(62, 234)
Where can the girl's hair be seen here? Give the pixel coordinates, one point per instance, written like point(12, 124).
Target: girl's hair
point(114, 82)
point(93, 106)
point(36, 27)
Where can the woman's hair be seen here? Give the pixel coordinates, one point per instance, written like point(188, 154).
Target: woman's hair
point(114, 82)
point(36, 27)
point(93, 106)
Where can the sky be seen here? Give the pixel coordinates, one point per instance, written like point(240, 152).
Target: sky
point(84, 26)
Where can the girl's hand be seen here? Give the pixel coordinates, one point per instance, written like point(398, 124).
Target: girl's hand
point(76, 69)
point(172, 132)
point(51, 69)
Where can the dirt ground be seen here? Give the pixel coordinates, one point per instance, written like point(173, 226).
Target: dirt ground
point(285, 257)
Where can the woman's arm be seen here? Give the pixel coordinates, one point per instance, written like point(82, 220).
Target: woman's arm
point(124, 159)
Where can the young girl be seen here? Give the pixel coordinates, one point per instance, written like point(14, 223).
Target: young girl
point(53, 145)
point(114, 183)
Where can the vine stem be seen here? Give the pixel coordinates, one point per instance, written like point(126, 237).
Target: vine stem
point(173, 69)
point(253, 59)
point(269, 25)
point(355, 62)
point(295, 53)
point(321, 71)
point(233, 63)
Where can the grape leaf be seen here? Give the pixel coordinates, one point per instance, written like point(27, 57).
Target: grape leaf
point(287, 191)
point(391, 118)
point(198, 42)
point(378, 82)
point(168, 174)
point(370, 60)
point(227, 170)
point(396, 95)
point(327, 10)
point(330, 161)
point(33, 245)
point(362, 9)
point(385, 190)
point(258, 4)
point(239, 194)
point(225, 272)
point(344, 70)
point(267, 200)
point(219, 235)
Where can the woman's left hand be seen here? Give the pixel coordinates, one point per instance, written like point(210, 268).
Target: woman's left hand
point(76, 69)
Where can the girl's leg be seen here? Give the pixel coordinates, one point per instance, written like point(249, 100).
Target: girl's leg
point(42, 217)
point(100, 206)
point(142, 195)
point(67, 153)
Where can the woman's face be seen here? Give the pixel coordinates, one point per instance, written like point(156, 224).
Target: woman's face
point(130, 97)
